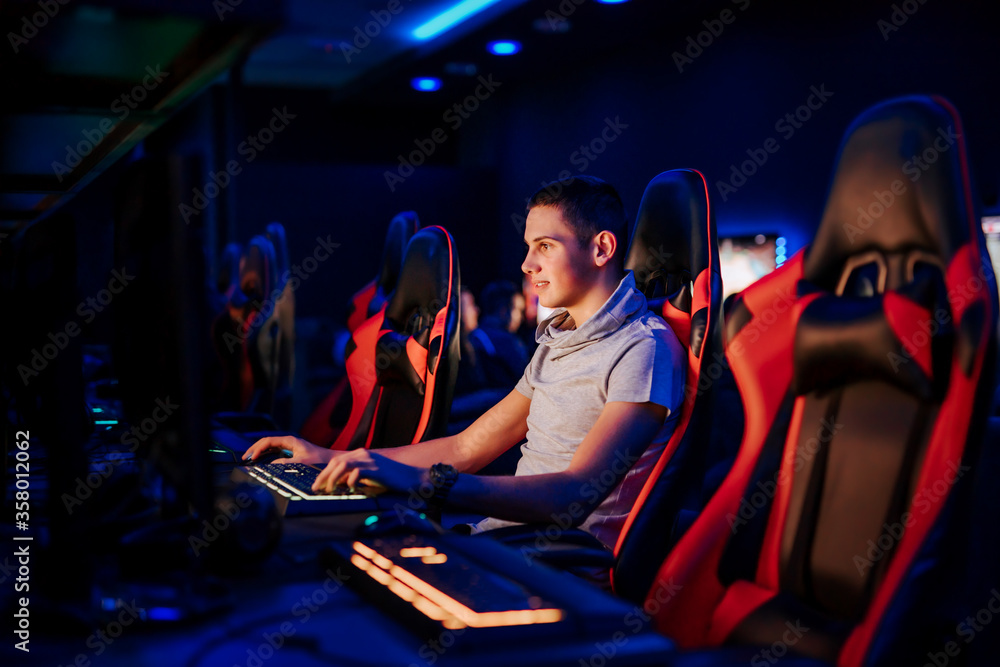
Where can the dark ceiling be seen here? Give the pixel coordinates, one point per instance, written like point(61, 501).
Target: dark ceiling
point(82, 87)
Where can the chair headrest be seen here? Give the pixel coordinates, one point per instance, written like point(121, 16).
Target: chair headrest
point(257, 271)
point(426, 279)
point(668, 247)
point(426, 302)
point(899, 187)
point(275, 233)
point(401, 230)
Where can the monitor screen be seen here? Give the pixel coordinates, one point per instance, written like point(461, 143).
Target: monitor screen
point(744, 259)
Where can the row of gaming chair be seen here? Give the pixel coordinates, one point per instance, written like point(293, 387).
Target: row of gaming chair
point(402, 357)
point(865, 371)
point(865, 367)
point(253, 331)
point(863, 424)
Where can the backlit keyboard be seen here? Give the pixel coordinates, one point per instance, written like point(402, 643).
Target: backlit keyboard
point(291, 485)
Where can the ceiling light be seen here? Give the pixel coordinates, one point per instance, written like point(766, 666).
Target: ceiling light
point(503, 47)
point(451, 17)
point(426, 83)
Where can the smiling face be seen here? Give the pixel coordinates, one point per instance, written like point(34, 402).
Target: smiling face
point(562, 273)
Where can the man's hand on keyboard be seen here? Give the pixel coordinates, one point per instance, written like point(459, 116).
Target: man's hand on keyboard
point(362, 464)
point(302, 451)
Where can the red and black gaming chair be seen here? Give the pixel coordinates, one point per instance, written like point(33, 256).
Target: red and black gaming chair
point(327, 419)
point(369, 299)
point(865, 365)
point(402, 362)
point(272, 354)
point(235, 329)
point(674, 256)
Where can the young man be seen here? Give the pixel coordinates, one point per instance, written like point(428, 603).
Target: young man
point(605, 381)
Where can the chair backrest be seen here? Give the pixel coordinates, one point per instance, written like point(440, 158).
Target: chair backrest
point(369, 299)
point(228, 276)
point(275, 340)
point(402, 362)
point(674, 255)
point(865, 365)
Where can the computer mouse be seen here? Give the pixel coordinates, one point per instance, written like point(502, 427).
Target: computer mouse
point(397, 521)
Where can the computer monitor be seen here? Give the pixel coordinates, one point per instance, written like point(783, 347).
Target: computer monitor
point(745, 259)
point(161, 330)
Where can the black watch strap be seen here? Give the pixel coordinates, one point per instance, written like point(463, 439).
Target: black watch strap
point(443, 477)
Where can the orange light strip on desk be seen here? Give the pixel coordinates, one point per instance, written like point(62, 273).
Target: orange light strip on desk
point(445, 608)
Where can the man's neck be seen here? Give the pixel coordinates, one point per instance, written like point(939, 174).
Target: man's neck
point(595, 299)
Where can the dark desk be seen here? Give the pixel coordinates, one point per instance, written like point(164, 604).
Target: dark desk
point(293, 611)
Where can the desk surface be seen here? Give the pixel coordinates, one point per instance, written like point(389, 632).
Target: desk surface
point(292, 611)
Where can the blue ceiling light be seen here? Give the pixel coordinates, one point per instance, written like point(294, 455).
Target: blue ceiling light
point(503, 47)
point(611, 2)
point(426, 83)
point(451, 17)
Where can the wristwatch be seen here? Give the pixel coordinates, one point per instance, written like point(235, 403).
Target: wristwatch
point(443, 477)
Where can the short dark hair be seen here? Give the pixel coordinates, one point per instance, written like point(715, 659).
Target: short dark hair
point(496, 297)
point(588, 204)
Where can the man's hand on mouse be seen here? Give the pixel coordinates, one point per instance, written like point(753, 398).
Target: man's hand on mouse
point(349, 468)
point(302, 451)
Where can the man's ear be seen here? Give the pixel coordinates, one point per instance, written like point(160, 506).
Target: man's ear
point(605, 247)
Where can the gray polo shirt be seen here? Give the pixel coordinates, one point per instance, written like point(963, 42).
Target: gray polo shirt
point(621, 353)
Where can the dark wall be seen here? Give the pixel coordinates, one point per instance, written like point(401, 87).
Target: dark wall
point(713, 112)
point(325, 172)
point(727, 101)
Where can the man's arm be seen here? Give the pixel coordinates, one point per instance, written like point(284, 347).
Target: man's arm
point(501, 427)
point(497, 430)
point(622, 432)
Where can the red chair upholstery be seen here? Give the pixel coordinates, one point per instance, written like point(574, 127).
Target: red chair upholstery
point(674, 254)
point(369, 299)
point(328, 418)
point(402, 361)
point(865, 365)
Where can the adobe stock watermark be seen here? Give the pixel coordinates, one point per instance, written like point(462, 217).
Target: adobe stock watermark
point(923, 502)
point(293, 276)
point(581, 158)
point(303, 610)
point(941, 319)
point(967, 629)
point(913, 169)
point(765, 490)
point(139, 433)
point(638, 618)
point(454, 116)
point(696, 44)
point(101, 640)
point(898, 17)
point(381, 18)
point(779, 649)
point(787, 125)
point(58, 340)
point(31, 24)
point(223, 519)
point(559, 16)
point(249, 149)
point(592, 491)
point(122, 106)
